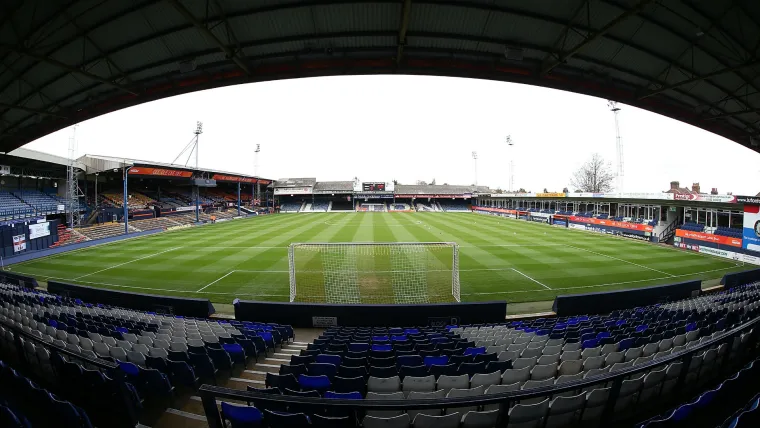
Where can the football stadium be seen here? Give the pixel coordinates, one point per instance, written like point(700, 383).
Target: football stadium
point(138, 293)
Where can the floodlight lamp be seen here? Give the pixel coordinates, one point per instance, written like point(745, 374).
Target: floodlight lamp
point(509, 140)
point(199, 127)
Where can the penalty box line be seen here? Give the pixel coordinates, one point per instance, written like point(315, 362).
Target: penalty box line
point(285, 271)
point(534, 280)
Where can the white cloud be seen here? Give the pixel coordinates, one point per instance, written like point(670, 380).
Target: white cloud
point(412, 127)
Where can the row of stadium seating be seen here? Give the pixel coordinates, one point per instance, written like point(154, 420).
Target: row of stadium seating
point(453, 206)
point(701, 411)
point(399, 364)
point(104, 230)
point(154, 354)
point(37, 199)
point(11, 207)
point(693, 227)
point(21, 400)
point(731, 232)
point(290, 207)
point(128, 333)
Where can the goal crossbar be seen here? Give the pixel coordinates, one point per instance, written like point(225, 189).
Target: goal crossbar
point(374, 272)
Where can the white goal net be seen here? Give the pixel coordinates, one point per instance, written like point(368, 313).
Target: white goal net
point(397, 272)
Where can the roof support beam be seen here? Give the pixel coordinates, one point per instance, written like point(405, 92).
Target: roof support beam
point(595, 35)
point(69, 68)
point(30, 110)
point(233, 55)
point(402, 30)
point(562, 36)
point(106, 57)
point(437, 35)
point(734, 114)
point(700, 78)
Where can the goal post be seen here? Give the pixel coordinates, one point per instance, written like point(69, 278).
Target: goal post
point(374, 273)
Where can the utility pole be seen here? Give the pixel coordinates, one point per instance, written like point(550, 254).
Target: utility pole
point(511, 163)
point(620, 174)
point(475, 162)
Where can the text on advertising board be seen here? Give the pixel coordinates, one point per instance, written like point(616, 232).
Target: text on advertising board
point(709, 237)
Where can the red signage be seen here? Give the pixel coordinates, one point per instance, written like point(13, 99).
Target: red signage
point(612, 223)
point(709, 237)
point(496, 210)
point(222, 177)
point(160, 172)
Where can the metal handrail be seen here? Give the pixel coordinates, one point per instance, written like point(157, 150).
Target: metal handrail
point(209, 393)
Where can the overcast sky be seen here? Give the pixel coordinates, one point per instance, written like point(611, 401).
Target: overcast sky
point(409, 128)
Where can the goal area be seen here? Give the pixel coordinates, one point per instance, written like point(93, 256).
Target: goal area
point(374, 273)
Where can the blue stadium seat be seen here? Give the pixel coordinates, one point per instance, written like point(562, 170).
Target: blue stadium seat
point(241, 416)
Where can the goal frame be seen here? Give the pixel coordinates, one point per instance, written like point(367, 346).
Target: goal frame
point(455, 284)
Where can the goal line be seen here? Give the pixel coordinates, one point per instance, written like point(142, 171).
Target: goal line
point(374, 272)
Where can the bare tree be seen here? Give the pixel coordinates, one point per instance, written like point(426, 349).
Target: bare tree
point(594, 176)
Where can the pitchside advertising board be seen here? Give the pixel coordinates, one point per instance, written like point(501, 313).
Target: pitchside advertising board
point(19, 243)
point(751, 230)
point(39, 230)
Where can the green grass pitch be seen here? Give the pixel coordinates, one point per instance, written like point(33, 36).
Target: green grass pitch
point(500, 259)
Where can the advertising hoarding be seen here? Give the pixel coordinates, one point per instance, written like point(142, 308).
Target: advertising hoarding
point(163, 172)
point(38, 230)
point(709, 237)
point(751, 228)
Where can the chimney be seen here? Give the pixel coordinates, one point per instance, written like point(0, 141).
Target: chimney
point(674, 185)
point(695, 187)
point(714, 191)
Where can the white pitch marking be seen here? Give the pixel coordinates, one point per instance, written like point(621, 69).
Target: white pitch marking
point(599, 285)
point(214, 282)
point(537, 282)
point(125, 263)
point(621, 260)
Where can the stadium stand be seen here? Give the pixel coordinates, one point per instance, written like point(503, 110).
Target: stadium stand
point(425, 207)
point(731, 232)
point(290, 207)
point(319, 207)
point(105, 230)
point(453, 206)
point(11, 207)
point(709, 407)
point(399, 207)
point(67, 236)
point(38, 200)
point(21, 400)
point(615, 357)
point(153, 223)
point(115, 362)
point(694, 227)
